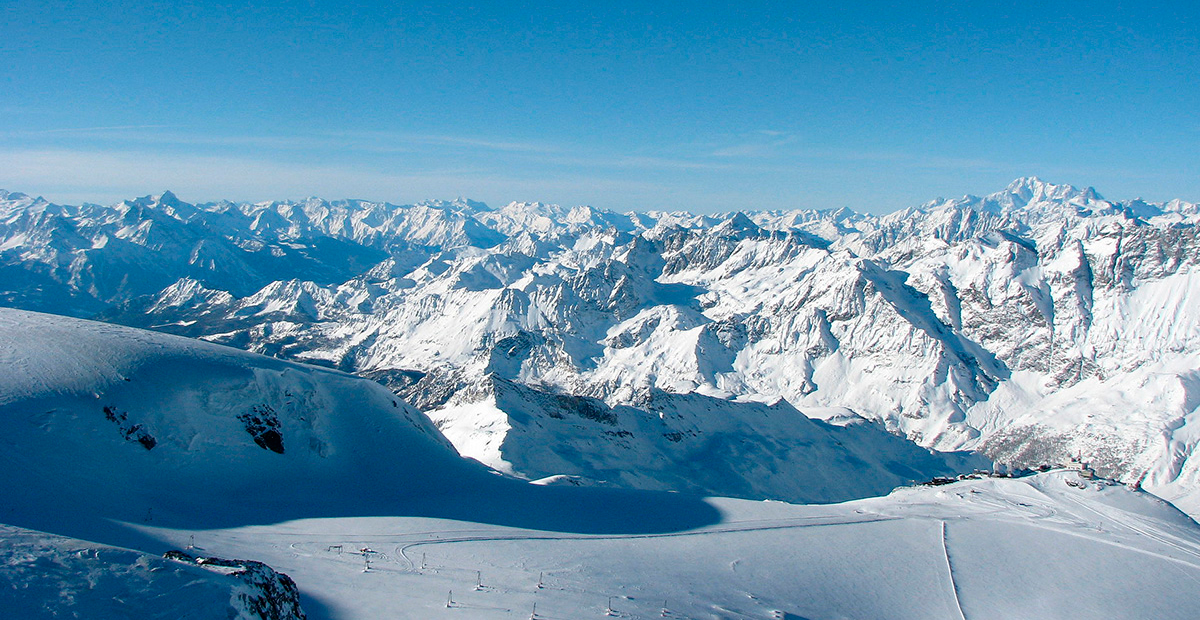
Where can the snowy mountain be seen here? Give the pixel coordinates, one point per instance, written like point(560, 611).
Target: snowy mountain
point(153, 403)
point(1037, 324)
point(149, 428)
point(145, 444)
point(685, 442)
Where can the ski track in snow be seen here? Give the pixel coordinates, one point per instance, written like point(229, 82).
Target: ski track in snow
point(1015, 510)
point(454, 536)
point(1112, 517)
point(1021, 512)
point(950, 569)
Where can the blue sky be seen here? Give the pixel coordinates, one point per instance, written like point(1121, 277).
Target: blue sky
point(705, 107)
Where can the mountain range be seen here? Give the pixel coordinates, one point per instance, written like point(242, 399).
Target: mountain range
point(1036, 325)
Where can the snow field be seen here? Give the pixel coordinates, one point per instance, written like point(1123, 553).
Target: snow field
point(991, 548)
point(360, 470)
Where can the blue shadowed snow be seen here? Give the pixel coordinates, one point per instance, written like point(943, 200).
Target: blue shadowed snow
point(159, 430)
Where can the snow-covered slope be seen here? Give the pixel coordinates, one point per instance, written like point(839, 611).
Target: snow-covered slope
point(153, 442)
point(119, 419)
point(1048, 547)
point(48, 576)
point(1038, 323)
point(686, 442)
point(150, 428)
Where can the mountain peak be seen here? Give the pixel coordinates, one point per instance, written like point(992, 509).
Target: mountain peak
point(166, 198)
point(1025, 182)
point(1033, 189)
point(737, 223)
point(168, 203)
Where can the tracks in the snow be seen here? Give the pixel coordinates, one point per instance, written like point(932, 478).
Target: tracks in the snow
point(730, 528)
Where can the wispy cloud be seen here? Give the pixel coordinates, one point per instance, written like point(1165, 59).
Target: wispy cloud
point(774, 151)
point(123, 173)
point(666, 163)
point(365, 141)
point(104, 176)
point(430, 147)
point(118, 136)
point(87, 130)
point(629, 162)
point(744, 150)
point(493, 145)
point(758, 144)
point(766, 168)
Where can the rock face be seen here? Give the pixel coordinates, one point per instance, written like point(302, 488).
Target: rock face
point(265, 594)
point(1038, 323)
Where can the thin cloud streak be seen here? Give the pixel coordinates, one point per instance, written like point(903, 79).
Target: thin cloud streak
point(108, 175)
point(366, 141)
point(632, 161)
point(515, 147)
point(779, 154)
point(150, 135)
point(757, 147)
point(88, 130)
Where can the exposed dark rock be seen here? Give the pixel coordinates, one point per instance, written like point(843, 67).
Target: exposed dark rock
point(263, 425)
point(270, 595)
point(131, 432)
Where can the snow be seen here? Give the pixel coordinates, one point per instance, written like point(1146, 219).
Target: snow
point(990, 548)
point(920, 320)
point(1039, 324)
point(478, 430)
point(361, 470)
point(686, 442)
point(48, 576)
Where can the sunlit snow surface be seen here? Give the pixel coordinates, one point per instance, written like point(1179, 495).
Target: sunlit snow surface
point(993, 548)
point(358, 472)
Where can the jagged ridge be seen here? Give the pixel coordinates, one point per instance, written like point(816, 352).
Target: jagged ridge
point(996, 322)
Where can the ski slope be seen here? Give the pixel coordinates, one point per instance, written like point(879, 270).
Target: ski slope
point(989, 548)
point(446, 537)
